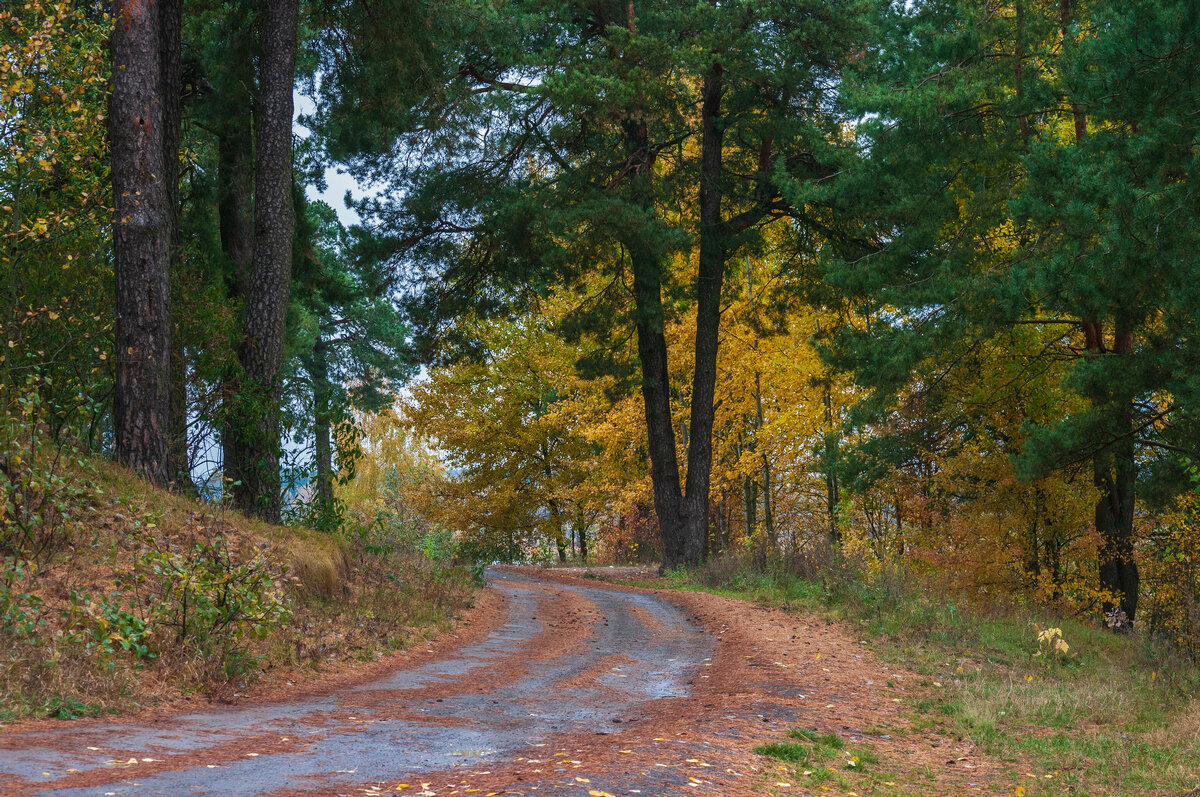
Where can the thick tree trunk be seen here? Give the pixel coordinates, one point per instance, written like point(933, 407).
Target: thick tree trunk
point(266, 294)
point(682, 514)
point(1114, 470)
point(646, 265)
point(709, 281)
point(656, 398)
point(170, 15)
point(235, 214)
point(141, 244)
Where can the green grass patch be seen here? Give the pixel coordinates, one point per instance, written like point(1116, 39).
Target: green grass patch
point(791, 752)
point(829, 740)
point(821, 759)
point(1117, 715)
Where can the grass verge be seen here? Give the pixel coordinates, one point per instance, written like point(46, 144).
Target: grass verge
point(1115, 714)
point(822, 760)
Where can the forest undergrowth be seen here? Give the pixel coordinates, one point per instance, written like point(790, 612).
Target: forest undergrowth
point(1075, 707)
point(118, 596)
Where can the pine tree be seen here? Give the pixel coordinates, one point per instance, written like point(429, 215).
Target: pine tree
point(143, 152)
point(1019, 170)
point(348, 338)
point(255, 435)
point(618, 136)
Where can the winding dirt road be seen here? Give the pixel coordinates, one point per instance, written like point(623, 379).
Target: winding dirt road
point(558, 685)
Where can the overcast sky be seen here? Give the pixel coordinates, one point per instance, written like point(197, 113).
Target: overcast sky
point(338, 182)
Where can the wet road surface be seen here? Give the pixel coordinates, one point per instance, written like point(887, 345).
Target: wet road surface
point(565, 659)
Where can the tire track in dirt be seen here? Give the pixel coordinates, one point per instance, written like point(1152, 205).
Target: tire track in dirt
point(771, 671)
point(568, 686)
point(531, 677)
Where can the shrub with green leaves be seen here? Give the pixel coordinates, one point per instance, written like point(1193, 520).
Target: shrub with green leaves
point(20, 610)
point(212, 601)
point(111, 629)
point(37, 451)
point(439, 544)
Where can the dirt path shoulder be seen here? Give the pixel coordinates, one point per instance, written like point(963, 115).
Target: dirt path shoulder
point(774, 671)
point(555, 684)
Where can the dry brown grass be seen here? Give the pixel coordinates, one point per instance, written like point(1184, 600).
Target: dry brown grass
point(345, 604)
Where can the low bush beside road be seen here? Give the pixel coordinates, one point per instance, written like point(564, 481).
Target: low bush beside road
point(134, 597)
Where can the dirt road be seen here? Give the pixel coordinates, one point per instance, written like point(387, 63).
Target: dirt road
point(557, 686)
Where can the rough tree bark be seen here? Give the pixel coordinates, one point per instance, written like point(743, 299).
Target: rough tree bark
point(235, 210)
point(649, 319)
point(709, 281)
point(170, 17)
point(683, 513)
point(266, 293)
point(141, 243)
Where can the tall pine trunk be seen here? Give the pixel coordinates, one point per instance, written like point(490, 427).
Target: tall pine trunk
point(1114, 474)
point(709, 281)
point(682, 514)
point(649, 319)
point(322, 425)
point(141, 243)
point(266, 294)
point(170, 15)
point(656, 399)
point(1114, 468)
point(235, 211)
